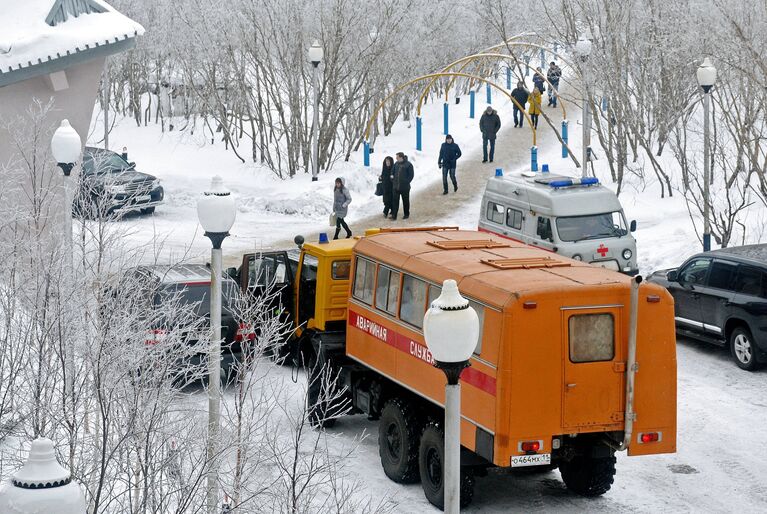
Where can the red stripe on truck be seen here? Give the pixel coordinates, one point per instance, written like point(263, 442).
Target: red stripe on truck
point(401, 342)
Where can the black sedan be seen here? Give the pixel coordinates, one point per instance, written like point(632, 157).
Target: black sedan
point(110, 186)
point(721, 297)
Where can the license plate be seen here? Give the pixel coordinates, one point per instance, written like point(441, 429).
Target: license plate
point(537, 459)
point(142, 198)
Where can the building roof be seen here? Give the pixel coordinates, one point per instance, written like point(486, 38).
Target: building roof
point(45, 36)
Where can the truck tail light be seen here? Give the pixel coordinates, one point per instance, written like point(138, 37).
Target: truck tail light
point(530, 446)
point(649, 437)
point(155, 336)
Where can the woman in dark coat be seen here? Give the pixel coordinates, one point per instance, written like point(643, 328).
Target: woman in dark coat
point(387, 174)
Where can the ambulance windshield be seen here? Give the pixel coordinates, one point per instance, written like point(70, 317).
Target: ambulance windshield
point(591, 226)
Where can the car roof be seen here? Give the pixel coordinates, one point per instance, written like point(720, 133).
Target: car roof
point(754, 254)
point(186, 274)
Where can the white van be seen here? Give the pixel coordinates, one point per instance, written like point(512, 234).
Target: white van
point(577, 218)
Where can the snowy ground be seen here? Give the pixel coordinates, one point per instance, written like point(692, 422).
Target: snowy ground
point(722, 447)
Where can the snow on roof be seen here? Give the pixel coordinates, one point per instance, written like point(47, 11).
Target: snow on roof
point(30, 33)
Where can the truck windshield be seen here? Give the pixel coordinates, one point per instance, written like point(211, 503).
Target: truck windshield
point(591, 226)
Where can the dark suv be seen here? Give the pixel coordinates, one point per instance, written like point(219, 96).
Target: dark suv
point(110, 185)
point(721, 297)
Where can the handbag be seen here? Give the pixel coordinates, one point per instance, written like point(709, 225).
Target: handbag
point(333, 219)
point(379, 189)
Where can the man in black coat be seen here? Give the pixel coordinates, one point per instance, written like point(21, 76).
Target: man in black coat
point(489, 124)
point(538, 80)
point(553, 75)
point(520, 94)
point(448, 156)
point(403, 176)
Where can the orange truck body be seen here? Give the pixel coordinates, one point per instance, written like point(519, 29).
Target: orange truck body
point(523, 384)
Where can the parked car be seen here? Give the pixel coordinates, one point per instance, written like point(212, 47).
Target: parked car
point(110, 185)
point(189, 284)
point(721, 297)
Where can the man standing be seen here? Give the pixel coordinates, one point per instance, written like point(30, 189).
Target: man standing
point(403, 176)
point(448, 156)
point(489, 124)
point(554, 74)
point(519, 94)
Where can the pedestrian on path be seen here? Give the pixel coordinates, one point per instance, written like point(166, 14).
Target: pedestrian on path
point(535, 107)
point(403, 176)
point(520, 94)
point(387, 174)
point(341, 200)
point(554, 74)
point(449, 154)
point(538, 80)
point(489, 124)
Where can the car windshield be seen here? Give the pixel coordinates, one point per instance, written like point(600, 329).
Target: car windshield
point(197, 295)
point(103, 162)
point(591, 226)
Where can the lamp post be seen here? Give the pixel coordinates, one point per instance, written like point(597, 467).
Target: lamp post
point(583, 49)
point(216, 212)
point(451, 329)
point(41, 485)
point(315, 56)
point(65, 147)
point(706, 75)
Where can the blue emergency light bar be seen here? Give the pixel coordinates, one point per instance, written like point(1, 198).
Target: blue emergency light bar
point(324, 238)
point(587, 181)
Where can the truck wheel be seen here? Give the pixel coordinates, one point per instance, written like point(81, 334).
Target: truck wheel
point(742, 349)
point(588, 476)
point(320, 409)
point(431, 454)
point(398, 438)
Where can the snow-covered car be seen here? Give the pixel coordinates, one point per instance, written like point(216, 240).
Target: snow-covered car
point(721, 297)
point(110, 185)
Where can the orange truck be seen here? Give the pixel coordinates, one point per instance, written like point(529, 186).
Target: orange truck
point(573, 363)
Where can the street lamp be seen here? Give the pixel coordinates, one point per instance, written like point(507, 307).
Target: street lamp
point(315, 56)
point(65, 147)
point(706, 75)
point(583, 49)
point(41, 485)
point(451, 330)
point(216, 212)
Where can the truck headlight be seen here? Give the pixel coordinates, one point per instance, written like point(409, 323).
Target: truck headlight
point(627, 254)
point(577, 257)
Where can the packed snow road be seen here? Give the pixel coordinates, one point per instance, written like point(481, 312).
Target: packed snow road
point(720, 464)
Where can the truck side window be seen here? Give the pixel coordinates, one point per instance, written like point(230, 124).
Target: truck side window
point(341, 270)
point(592, 337)
point(413, 304)
point(544, 229)
point(364, 275)
point(495, 212)
point(514, 218)
point(387, 290)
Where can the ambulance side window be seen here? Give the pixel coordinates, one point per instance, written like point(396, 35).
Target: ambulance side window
point(364, 278)
point(495, 212)
point(434, 292)
point(413, 304)
point(544, 229)
point(514, 218)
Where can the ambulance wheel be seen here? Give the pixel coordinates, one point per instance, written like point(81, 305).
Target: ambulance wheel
point(398, 438)
point(320, 410)
point(588, 476)
point(431, 453)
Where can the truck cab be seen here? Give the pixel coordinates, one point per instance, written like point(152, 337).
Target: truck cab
point(577, 218)
point(310, 283)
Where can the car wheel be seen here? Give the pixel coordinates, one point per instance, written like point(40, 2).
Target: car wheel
point(148, 210)
point(742, 349)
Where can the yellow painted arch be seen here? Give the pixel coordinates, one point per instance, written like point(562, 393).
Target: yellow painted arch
point(437, 76)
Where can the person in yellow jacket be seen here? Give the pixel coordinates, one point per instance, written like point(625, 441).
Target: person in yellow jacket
point(535, 106)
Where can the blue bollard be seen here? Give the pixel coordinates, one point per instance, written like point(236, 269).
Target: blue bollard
point(489, 94)
point(564, 139)
point(706, 242)
point(418, 135)
point(366, 154)
point(508, 77)
point(445, 113)
point(527, 68)
point(545, 168)
point(471, 104)
point(534, 158)
point(543, 59)
point(498, 172)
point(605, 104)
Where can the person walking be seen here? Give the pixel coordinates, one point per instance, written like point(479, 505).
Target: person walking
point(520, 94)
point(403, 176)
point(341, 201)
point(489, 125)
point(535, 107)
point(554, 74)
point(387, 174)
point(448, 156)
point(538, 80)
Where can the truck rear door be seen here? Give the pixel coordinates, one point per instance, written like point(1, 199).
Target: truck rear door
point(593, 367)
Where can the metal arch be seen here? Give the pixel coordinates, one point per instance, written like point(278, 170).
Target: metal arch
point(435, 76)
